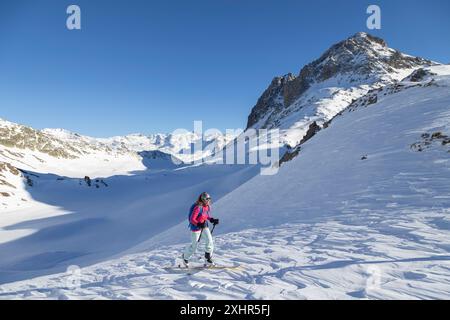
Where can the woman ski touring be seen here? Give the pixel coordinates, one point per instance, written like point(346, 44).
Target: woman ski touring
point(199, 215)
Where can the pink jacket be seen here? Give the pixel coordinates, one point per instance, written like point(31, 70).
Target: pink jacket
point(197, 218)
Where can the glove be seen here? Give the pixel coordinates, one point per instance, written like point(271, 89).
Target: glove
point(201, 225)
point(214, 221)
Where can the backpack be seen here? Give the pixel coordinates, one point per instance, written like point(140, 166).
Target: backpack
point(191, 211)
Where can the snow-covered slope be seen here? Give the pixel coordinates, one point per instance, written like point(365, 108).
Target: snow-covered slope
point(77, 156)
point(323, 88)
point(71, 155)
point(362, 212)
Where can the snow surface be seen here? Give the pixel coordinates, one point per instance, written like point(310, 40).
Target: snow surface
point(73, 223)
point(358, 214)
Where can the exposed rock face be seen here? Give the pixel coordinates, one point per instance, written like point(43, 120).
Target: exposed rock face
point(88, 181)
point(22, 137)
point(18, 136)
point(155, 155)
point(6, 168)
point(430, 139)
point(419, 75)
point(360, 59)
point(292, 153)
point(313, 129)
point(271, 99)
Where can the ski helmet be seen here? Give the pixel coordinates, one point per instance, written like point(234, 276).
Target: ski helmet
point(204, 197)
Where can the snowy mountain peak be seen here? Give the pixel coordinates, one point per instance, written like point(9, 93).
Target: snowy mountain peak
point(364, 37)
point(7, 124)
point(364, 53)
point(62, 133)
point(326, 86)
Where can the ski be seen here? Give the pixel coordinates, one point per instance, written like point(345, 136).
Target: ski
point(203, 267)
point(216, 267)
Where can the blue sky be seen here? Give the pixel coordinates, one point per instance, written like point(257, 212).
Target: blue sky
point(154, 66)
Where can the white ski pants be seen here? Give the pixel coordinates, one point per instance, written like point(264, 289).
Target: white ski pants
point(206, 237)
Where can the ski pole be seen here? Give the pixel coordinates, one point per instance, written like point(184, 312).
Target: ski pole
point(199, 238)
